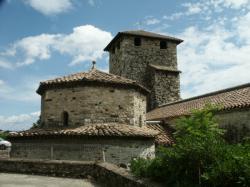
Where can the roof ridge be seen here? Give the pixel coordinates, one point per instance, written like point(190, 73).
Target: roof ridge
point(116, 76)
point(208, 94)
point(64, 76)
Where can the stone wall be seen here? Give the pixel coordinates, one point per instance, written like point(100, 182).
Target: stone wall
point(4, 154)
point(105, 174)
point(132, 62)
point(140, 106)
point(235, 121)
point(112, 150)
point(237, 124)
point(165, 87)
point(92, 104)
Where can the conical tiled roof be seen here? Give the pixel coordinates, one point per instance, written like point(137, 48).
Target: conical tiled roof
point(93, 76)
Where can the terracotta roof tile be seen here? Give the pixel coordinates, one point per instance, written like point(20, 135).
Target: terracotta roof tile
point(227, 99)
point(165, 134)
point(144, 34)
point(93, 76)
point(110, 129)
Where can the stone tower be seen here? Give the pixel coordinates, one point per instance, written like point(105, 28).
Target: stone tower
point(149, 59)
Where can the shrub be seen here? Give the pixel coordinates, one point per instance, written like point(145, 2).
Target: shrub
point(3, 135)
point(200, 156)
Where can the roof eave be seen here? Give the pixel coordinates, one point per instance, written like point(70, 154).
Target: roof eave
point(112, 41)
point(107, 48)
point(39, 90)
point(42, 87)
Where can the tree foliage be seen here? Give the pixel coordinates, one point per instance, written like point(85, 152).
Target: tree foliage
point(200, 156)
point(37, 124)
point(3, 135)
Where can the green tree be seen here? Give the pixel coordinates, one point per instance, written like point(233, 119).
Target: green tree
point(199, 157)
point(3, 135)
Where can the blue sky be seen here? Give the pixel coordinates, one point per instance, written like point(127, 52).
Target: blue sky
point(42, 39)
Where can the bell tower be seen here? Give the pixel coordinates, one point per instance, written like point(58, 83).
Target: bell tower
point(151, 60)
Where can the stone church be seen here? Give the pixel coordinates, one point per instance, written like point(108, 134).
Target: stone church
point(102, 116)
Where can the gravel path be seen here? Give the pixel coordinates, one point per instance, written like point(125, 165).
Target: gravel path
point(20, 180)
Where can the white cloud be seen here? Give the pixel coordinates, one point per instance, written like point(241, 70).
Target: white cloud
point(210, 60)
point(243, 28)
point(18, 122)
point(152, 21)
point(4, 89)
point(208, 8)
point(192, 8)
point(35, 48)
point(215, 54)
point(235, 3)
point(6, 65)
point(50, 7)
point(24, 91)
point(174, 16)
point(85, 43)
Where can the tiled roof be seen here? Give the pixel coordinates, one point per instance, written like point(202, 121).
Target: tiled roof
point(227, 99)
point(93, 76)
point(163, 68)
point(107, 130)
point(142, 33)
point(165, 134)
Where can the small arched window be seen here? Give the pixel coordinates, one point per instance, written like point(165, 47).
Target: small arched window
point(163, 45)
point(65, 119)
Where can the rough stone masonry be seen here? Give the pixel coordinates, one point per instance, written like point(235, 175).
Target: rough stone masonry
point(149, 59)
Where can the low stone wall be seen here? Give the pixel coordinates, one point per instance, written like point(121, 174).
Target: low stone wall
point(103, 173)
point(50, 168)
point(112, 150)
point(4, 154)
point(111, 175)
